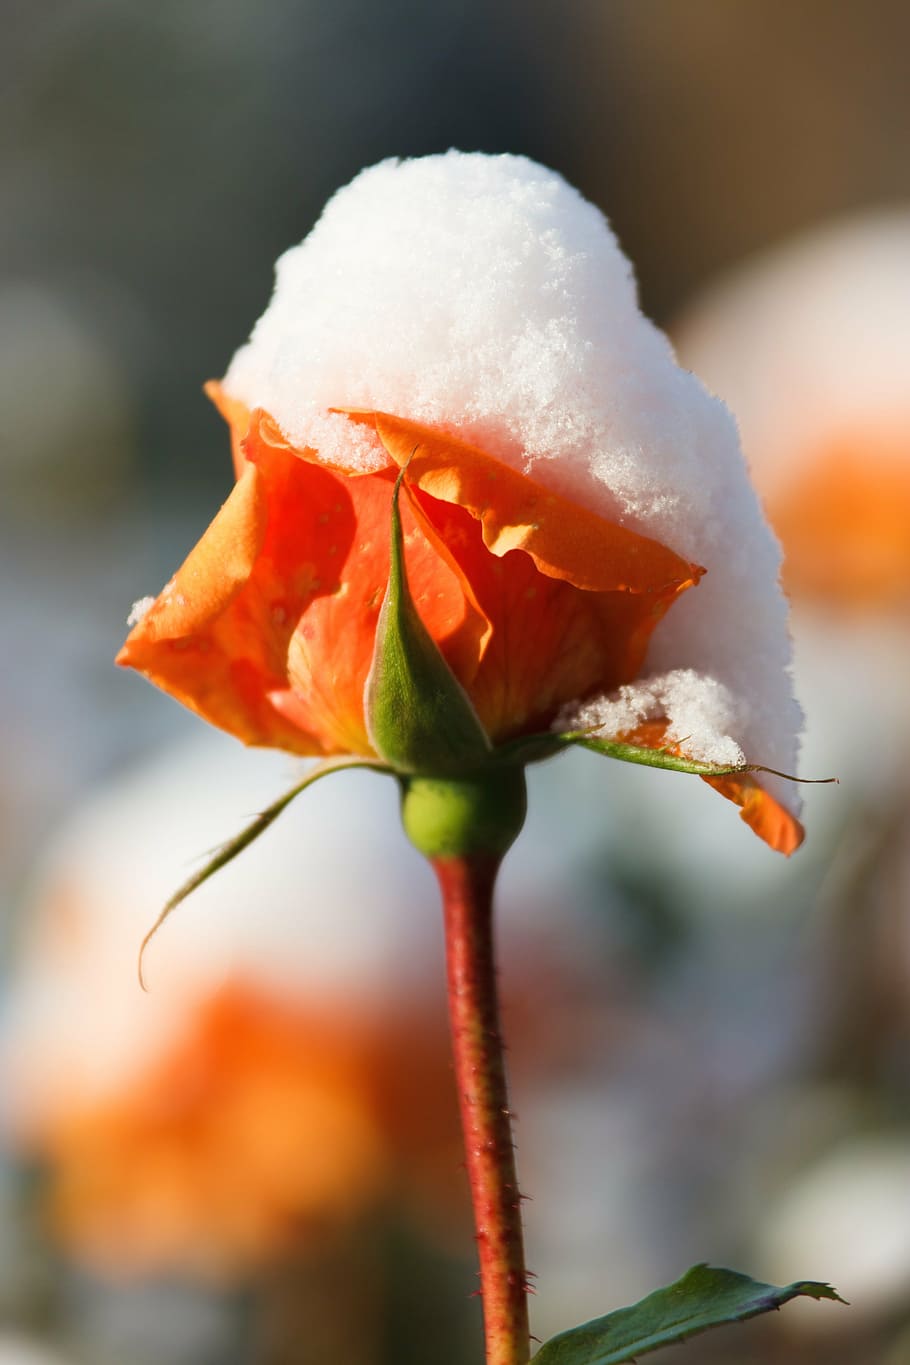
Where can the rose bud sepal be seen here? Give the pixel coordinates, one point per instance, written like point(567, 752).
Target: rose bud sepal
point(419, 718)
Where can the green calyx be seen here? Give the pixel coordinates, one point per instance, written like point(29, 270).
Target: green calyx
point(458, 798)
point(463, 816)
point(419, 717)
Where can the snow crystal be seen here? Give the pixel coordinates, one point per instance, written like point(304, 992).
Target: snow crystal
point(703, 713)
point(485, 296)
point(139, 609)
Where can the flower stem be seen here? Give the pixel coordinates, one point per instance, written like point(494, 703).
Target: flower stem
point(467, 883)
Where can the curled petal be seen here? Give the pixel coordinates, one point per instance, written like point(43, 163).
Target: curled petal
point(771, 821)
point(237, 415)
point(564, 539)
point(199, 640)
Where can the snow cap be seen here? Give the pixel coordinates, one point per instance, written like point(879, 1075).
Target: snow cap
point(485, 296)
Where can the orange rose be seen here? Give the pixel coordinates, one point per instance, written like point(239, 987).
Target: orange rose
point(268, 629)
point(384, 592)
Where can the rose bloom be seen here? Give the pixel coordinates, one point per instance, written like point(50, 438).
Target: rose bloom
point(268, 628)
point(471, 320)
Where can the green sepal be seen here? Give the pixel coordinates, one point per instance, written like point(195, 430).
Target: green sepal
point(705, 1297)
point(652, 758)
point(419, 717)
point(227, 852)
point(537, 748)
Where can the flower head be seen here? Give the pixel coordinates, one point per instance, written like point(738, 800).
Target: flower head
point(471, 321)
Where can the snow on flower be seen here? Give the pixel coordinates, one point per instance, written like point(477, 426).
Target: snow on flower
point(139, 610)
point(568, 485)
point(702, 712)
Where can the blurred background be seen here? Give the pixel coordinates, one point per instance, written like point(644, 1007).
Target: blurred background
point(257, 1163)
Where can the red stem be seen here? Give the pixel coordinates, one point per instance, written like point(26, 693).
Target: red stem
point(467, 895)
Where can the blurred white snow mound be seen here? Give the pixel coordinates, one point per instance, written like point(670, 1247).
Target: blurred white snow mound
point(329, 905)
point(847, 1214)
point(809, 340)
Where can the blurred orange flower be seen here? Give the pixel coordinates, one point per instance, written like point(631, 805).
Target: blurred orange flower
point(844, 519)
point(255, 1124)
point(265, 1127)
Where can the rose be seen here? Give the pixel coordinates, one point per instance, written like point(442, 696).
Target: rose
point(389, 584)
point(558, 482)
point(268, 629)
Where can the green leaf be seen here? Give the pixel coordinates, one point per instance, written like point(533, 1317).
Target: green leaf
point(537, 748)
point(663, 758)
point(419, 717)
point(705, 1297)
point(651, 758)
point(229, 851)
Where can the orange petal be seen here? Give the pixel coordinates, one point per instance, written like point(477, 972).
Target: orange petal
point(216, 635)
point(237, 416)
point(564, 539)
point(571, 597)
point(771, 821)
point(768, 818)
point(549, 641)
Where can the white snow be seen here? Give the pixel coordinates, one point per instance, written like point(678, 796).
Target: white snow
point(485, 296)
point(140, 609)
point(703, 714)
